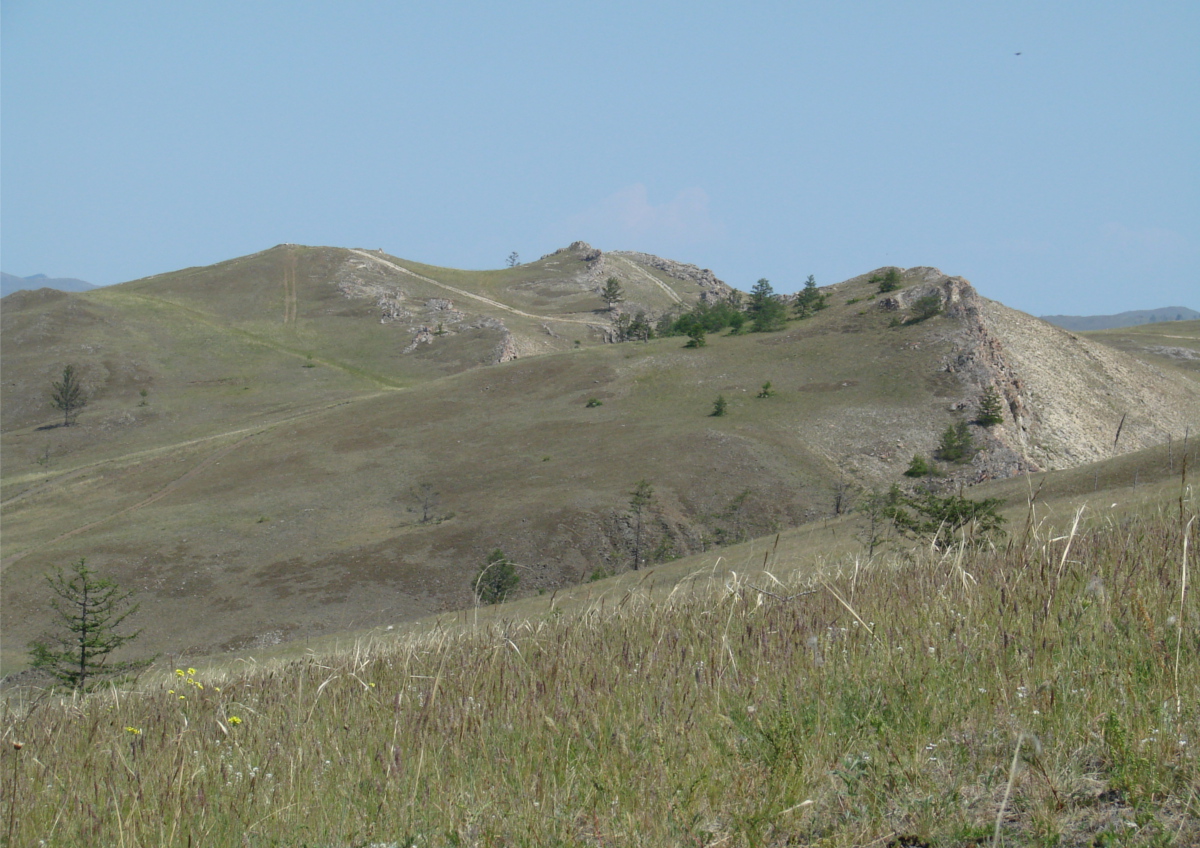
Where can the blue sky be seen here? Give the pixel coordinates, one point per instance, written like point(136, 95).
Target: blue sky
point(758, 139)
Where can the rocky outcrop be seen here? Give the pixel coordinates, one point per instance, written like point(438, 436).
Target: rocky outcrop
point(1065, 397)
point(712, 288)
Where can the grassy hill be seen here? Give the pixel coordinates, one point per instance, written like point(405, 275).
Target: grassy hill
point(254, 495)
point(1042, 691)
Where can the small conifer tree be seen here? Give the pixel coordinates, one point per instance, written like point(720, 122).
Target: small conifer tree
point(890, 281)
point(720, 405)
point(810, 300)
point(920, 467)
point(956, 444)
point(991, 408)
point(612, 293)
point(497, 578)
point(88, 609)
point(68, 395)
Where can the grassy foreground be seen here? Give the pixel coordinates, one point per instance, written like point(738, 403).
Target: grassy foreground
point(1043, 693)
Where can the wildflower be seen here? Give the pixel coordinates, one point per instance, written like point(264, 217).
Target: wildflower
point(183, 697)
point(235, 721)
point(179, 672)
point(134, 730)
point(191, 672)
point(170, 691)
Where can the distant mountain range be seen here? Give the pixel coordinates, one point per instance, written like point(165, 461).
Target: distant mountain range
point(10, 283)
point(1079, 323)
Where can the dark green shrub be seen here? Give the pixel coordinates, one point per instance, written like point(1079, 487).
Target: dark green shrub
point(991, 408)
point(956, 444)
point(944, 519)
point(888, 282)
point(920, 467)
point(720, 405)
point(926, 307)
point(496, 579)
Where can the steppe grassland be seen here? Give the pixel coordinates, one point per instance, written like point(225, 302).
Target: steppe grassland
point(302, 463)
point(1045, 690)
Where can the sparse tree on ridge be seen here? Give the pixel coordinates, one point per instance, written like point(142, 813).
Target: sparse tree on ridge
point(88, 609)
point(810, 300)
point(889, 282)
point(514, 259)
point(68, 395)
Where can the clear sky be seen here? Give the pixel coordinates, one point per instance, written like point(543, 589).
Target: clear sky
point(758, 139)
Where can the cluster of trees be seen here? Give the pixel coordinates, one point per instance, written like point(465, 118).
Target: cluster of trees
point(762, 311)
point(956, 444)
point(943, 519)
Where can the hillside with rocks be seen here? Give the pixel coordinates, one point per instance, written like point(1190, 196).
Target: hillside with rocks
point(308, 440)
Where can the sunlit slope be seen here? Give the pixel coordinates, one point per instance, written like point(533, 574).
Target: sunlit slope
point(306, 526)
point(204, 352)
point(255, 494)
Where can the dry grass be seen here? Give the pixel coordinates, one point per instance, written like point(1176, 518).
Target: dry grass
point(1042, 693)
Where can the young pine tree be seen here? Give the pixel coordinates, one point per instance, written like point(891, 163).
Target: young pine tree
point(497, 578)
point(810, 300)
point(956, 444)
point(612, 293)
point(991, 408)
point(68, 395)
point(88, 610)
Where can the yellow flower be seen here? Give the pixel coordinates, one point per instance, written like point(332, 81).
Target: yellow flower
point(200, 686)
point(179, 672)
point(170, 691)
point(183, 697)
point(191, 671)
point(234, 720)
point(135, 731)
point(216, 688)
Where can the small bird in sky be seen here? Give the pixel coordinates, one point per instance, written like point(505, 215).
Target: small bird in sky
point(1016, 54)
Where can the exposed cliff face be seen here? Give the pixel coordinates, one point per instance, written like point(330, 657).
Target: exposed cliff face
point(1065, 396)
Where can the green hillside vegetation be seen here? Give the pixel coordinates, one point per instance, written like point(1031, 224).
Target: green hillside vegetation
point(251, 499)
point(1041, 691)
point(426, 560)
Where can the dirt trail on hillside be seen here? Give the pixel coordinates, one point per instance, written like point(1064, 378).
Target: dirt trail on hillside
point(494, 303)
point(246, 433)
point(157, 496)
point(639, 269)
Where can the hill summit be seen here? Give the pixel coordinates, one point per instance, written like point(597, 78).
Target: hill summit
point(309, 439)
